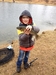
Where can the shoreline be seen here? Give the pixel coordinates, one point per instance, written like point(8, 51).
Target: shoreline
point(16, 39)
point(30, 2)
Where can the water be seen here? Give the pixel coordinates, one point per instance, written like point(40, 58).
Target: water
point(43, 16)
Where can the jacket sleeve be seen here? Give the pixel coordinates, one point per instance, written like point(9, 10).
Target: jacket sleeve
point(36, 29)
point(23, 37)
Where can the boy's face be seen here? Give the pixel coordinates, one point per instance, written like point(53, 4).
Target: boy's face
point(25, 19)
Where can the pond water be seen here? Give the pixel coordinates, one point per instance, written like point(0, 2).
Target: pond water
point(43, 16)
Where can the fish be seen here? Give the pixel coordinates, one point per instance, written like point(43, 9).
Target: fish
point(22, 28)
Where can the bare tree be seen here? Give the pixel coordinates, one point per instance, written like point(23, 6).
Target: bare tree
point(13, 0)
point(3, 0)
point(47, 1)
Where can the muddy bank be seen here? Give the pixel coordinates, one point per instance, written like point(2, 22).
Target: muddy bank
point(44, 50)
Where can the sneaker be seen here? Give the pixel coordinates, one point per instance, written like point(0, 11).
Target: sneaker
point(26, 66)
point(18, 69)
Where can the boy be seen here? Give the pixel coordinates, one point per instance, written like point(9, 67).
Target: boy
point(25, 39)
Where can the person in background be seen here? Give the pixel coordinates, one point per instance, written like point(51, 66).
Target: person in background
point(26, 40)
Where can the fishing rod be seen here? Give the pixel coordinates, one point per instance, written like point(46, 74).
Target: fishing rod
point(29, 63)
point(32, 61)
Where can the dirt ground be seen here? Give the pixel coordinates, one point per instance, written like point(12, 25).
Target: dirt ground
point(44, 50)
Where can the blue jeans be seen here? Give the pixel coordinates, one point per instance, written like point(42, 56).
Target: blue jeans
point(23, 56)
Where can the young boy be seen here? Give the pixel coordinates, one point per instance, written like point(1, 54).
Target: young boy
point(25, 39)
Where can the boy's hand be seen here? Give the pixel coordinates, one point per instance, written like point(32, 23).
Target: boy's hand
point(29, 27)
point(27, 31)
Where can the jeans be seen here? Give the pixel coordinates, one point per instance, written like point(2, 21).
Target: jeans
point(23, 56)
